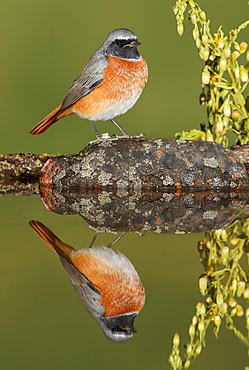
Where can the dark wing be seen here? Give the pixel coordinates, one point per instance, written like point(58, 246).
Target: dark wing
point(87, 292)
point(90, 77)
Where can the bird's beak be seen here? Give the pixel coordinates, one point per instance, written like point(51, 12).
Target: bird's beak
point(133, 44)
point(129, 329)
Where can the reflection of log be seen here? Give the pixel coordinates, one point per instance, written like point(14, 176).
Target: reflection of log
point(155, 211)
point(19, 173)
point(136, 163)
point(21, 166)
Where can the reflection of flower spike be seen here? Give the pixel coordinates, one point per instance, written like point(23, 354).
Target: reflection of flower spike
point(222, 253)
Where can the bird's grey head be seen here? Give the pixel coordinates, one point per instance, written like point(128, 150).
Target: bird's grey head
point(122, 43)
point(119, 328)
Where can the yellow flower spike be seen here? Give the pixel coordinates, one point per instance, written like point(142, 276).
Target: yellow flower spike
point(234, 241)
point(187, 364)
point(191, 3)
point(225, 121)
point(216, 38)
point(198, 43)
point(201, 326)
point(195, 33)
point(236, 46)
point(200, 309)
point(193, 18)
point(224, 308)
point(202, 15)
point(234, 286)
point(204, 39)
point(219, 125)
point(235, 54)
point(239, 311)
point(241, 288)
point(223, 64)
point(191, 331)
point(203, 285)
point(227, 51)
point(206, 53)
point(223, 235)
point(176, 340)
point(227, 108)
point(189, 349)
point(224, 252)
point(232, 303)
point(246, 295)
point(217, 320)
point(198, 349)
point(221, 42)
point(247, 56)
point(209, 301)
point(180, 29)
point(171, 359)
point(247, 312)
point(236, 114)
point(219, 39)
point(219, 299)
point(242, 47)
point(212, 57)
point(194, 320)
point(243, 74)
point(201, 50)
point(218, 233)
point(237, 73)
point(205, 76)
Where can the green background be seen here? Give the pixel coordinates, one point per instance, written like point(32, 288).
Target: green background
point(43, 324)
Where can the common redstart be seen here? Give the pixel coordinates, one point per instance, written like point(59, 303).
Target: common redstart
point(106, 281)
point(109, 84)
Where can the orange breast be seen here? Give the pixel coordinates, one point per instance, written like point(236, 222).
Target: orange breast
point(122, 84)
point(120, 292)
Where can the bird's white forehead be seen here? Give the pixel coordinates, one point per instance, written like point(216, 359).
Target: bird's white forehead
point(127, 37)
point(122, 34)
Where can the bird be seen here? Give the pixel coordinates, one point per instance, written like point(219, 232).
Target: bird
point(105, 280)
point(109, 84)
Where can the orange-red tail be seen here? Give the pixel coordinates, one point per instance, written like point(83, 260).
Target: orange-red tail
point(51, 239)
point(54, 116)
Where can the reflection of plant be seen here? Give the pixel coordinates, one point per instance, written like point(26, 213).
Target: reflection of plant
point(224, 80)
point(223, 283)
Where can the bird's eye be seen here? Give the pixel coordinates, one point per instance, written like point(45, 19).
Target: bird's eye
point(118, 42)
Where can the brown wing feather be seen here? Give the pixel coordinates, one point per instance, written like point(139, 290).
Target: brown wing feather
point(90, 77)
point(51, 118)
point(86, 290)
point(51, 239)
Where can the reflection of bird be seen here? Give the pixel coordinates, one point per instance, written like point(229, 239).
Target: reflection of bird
point(109, 84)
point(106, 281)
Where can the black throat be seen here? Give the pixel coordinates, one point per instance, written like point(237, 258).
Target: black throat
point(123, 49)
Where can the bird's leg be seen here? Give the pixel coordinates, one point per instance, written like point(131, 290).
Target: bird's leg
point(95, 130)
point(116, 240)
point(120, 128)
point(125, 133)
point(93, 239)
point(108, 246)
